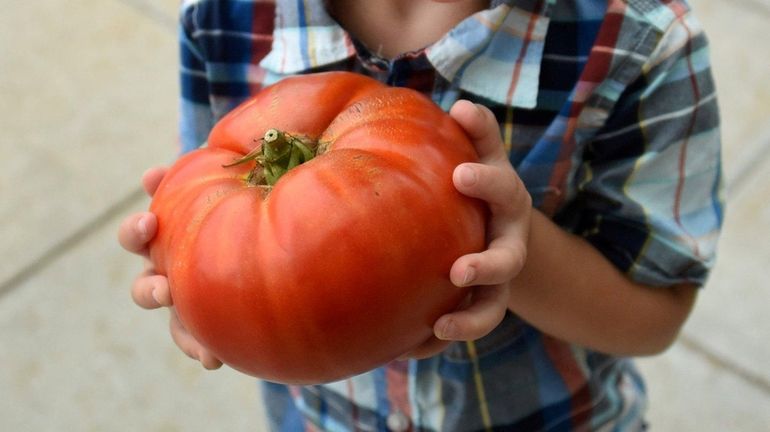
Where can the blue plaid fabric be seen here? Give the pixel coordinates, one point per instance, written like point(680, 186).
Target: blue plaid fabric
point(609, 113)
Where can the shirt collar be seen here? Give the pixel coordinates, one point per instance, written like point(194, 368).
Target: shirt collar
point(495, 53)
point(305, 37)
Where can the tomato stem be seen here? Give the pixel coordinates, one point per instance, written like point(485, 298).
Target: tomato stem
point(280, 152)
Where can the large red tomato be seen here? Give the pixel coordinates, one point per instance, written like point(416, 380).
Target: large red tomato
point(341, 264)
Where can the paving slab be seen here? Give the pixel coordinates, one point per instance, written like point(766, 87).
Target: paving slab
point(731, 317)
point(89, 90)
point(79, 355)
point(688, 393)
point(717, 377)
point(740, 56)
point(163, 12)
point(93, 91)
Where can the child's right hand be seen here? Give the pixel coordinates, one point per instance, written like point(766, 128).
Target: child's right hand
point(150, 290)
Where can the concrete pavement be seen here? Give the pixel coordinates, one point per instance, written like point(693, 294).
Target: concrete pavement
point(90, 102)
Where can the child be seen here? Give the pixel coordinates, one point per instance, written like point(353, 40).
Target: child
point(597, 127)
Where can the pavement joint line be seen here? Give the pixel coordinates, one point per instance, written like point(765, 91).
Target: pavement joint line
point(763, 5)
point(101, 220)
point(150, 10)
point(750, 377)
point(122, 206)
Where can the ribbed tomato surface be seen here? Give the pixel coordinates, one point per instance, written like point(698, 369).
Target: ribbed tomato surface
point(344, 263)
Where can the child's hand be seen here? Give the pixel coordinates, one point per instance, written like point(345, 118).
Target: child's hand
point(150, 290)
point(490, 272)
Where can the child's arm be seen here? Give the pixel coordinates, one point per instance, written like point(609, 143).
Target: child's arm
point(571, 291)
point(150, 290)
point(554, 280)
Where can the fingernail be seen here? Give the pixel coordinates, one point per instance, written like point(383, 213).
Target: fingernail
point(447, 330)
point(467, 176)
point(156, 296)
point(470, 275)
point(141, 226)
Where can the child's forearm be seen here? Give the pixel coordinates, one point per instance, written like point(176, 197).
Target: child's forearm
point(572, 292)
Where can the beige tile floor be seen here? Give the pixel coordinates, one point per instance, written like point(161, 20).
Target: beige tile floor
point(89, 100)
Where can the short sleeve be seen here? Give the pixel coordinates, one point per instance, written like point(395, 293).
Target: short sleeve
point(195, 115)
point(650, 186)
point(221, 44)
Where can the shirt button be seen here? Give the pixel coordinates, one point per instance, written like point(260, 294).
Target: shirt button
point(398, 422)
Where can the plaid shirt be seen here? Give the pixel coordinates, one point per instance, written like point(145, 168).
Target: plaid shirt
point(608, 110)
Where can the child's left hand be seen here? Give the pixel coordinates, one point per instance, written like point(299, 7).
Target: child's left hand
point(490, 272)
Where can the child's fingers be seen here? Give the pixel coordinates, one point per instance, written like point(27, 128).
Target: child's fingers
point(486, 311)
point(208, 360)
point(182, 338)
point(496, 265)
point(429, 348)
point(482, 128)
point(151, 291)
point(136, 231)
point(152, 178)
point(189, 345)
point(500, 187)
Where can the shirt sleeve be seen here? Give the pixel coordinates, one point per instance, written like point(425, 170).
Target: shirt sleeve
point(195, 114)
point(221, 44)
point(650, 187)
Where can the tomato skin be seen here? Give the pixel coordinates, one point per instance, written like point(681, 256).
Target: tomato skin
point(344, 264)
